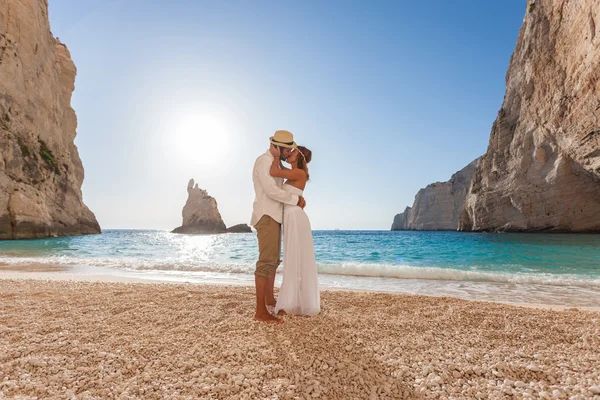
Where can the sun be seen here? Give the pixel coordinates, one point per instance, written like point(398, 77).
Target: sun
point(201, 140)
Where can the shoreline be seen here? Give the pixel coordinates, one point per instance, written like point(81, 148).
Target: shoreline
point(65, 339)
point(56, 272)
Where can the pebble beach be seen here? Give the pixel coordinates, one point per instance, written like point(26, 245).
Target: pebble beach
point(103, 340)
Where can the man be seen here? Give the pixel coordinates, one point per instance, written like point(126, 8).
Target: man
point(267, 216)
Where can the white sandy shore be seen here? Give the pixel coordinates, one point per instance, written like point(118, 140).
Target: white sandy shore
point(57, 272)
point(69, 339)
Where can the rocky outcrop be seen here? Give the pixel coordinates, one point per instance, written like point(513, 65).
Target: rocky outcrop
point(200, 213)
point(541, 171)
point(438, 206)
point(40, 170)
point(240, 228)
point(401, 220)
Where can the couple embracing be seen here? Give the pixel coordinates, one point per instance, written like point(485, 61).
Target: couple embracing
point(279, 202)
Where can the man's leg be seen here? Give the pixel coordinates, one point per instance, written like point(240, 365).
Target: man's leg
point(270, 299)
point(269, 294)
point(262, 314)
point(268, 235)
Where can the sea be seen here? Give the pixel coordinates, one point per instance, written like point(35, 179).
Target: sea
point(550, 269)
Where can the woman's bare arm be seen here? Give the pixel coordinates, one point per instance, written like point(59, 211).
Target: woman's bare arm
point(292, 174)
point(281, 166)
point(276, 171)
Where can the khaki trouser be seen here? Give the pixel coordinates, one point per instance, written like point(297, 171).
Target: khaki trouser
point(269, 246)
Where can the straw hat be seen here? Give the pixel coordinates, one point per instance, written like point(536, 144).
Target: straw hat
point(283, 139)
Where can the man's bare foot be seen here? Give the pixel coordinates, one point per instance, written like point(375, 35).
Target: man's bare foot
point(281, 313)
point(268, 318)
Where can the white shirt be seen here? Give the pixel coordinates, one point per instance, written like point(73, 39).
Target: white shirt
point(270, 197)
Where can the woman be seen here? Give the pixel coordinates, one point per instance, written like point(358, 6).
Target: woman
point(299, 293)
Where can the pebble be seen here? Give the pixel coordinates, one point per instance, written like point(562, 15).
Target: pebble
point(533, 367)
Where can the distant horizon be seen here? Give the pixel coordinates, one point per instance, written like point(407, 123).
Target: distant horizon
point(391, 97)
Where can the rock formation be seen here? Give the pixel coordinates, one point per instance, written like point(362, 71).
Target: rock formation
point(240, 228)
point(541, 171)
point(439, 205)
point(201, 214)
point(40, 170)
point(401, 220)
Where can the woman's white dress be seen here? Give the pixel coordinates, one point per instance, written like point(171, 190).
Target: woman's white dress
point(299, 293)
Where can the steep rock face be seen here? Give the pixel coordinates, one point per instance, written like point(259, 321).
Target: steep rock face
point(541, 171)
point(401, 220)
point(438, 206)
point(40, 170)
point(200, 213)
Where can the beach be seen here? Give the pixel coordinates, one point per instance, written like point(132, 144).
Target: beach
point(99, 340)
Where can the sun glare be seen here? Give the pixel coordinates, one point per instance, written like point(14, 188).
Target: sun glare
point(201, 139)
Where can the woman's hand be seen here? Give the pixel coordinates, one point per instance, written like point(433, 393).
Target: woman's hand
point(275, 152)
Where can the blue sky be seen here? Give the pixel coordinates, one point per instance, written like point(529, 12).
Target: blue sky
point(389, 96)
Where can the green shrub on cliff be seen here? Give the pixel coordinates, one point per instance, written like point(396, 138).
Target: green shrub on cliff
point(48, 157)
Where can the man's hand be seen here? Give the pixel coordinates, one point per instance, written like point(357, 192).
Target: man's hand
point(275, 151)
point(301, 202)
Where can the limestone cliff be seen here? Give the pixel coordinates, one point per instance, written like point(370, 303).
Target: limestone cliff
point(40, 170)
point(438, 206)
point(541, 171)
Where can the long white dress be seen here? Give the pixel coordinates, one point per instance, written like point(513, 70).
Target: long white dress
point(299, 293)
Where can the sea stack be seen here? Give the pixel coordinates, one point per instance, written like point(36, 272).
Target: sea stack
point(200, 213)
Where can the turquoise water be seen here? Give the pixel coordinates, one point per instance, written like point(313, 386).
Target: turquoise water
point(416, 262)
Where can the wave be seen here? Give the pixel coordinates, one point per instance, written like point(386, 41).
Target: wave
point(137, 264)
point(393, 271)
point(452, 274)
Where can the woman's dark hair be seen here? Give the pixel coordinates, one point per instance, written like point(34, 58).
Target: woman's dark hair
point(304, 158)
